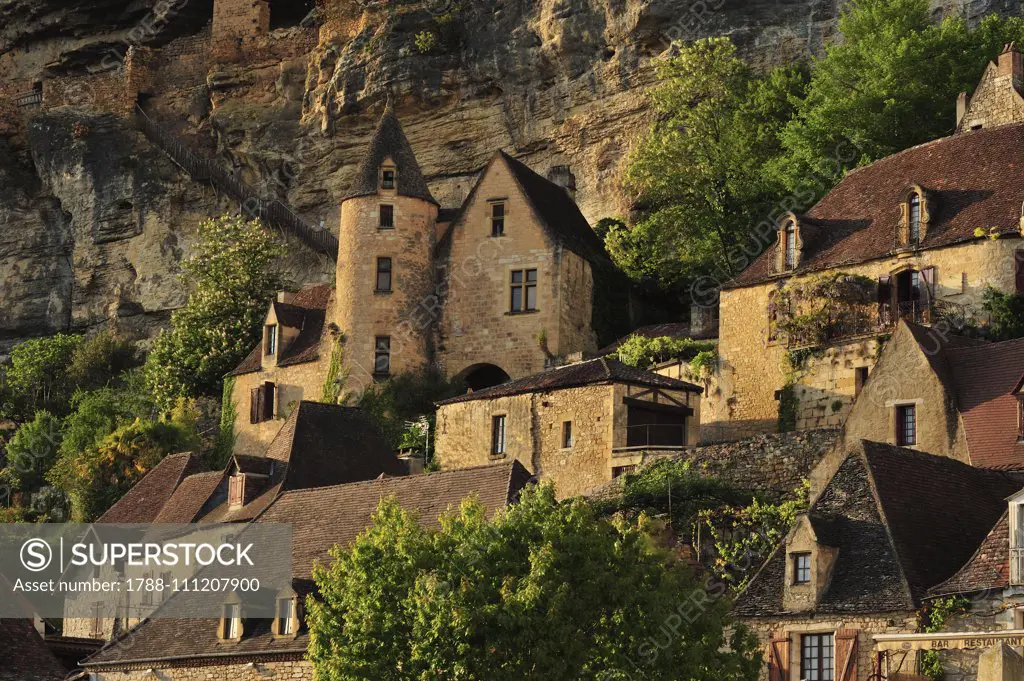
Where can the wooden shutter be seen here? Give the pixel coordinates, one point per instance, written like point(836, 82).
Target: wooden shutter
point(928, 284)
point(1018, 269)
point(254, 405)
point(778, 659)
point(846, 655)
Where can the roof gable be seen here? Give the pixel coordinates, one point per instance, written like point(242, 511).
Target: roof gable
point(987, 568)
point(147, 498)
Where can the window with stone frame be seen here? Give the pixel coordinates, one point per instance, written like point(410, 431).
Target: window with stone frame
point(383, 281)
point(817, 657)
point(789, 243)
point(270, 345)
point(231, 622)
point(498, 435)
point(286, 620)
point(388, 178)
point(497, 218)
point(382, 356)
point(906, 425)
point(566, 434)
point(523, 295)
point(801, 568)
point(914, 218)
point(387, 216)
point(262, 401)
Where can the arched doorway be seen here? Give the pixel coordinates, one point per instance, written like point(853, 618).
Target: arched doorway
point(480, 376)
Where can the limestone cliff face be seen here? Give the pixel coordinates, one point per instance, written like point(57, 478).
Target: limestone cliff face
point(94, 220)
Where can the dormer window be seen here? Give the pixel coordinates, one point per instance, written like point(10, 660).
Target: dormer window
point(914, 209)
point(231, 622)
point(789, 236)
point(271, 339)
point(801, 568)
point(915, 218)
point(236, 490)
point(286, 617)
point(387, 178)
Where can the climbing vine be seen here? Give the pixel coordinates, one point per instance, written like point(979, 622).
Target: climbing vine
point(226, 431)
point(812, 312)
point(933, 618)
point(788, 404)
point(644, 351)
point(333, 380)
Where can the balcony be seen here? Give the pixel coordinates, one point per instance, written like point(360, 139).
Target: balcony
point(654, 436)
point(885, 319)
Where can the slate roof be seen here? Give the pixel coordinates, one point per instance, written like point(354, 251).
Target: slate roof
point(389, 140)
point(319, 445)
point(984, 379)
point(186, 504)
point(904, 521)
point(321, 518)
point(307, 311)
point(24, 655)
point(144, 502)
point(988, 568)
point(591, 372)
point(972, 180)
point(675, 330)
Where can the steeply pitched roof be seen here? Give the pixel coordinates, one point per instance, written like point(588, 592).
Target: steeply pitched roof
point(24, 655)
point(321, 518)
point(972, 180)
point(144, 502)
point(988, 568)
point(903, 521)
point(188, 499)
point(307, 311)
point(601, 370)
point(984, 378)
point(319, 445)
point(389, 140)
point(675, 330)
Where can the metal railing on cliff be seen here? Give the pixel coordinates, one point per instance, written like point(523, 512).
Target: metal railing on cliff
point(273, 212)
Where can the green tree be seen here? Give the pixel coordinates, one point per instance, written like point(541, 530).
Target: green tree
point(405, 397)
point(98, 413)
point(38, 375)
point(32, 451)
point(96, 477)
point(697, 176)
point(890, 83)
point(547, 591)
point(100, 359)
point(233, 275)
point(1006, 314)
point(646, 351)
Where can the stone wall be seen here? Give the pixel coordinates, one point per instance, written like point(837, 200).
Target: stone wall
point(264, 667)
point(768, 628)
point(996, 100)
point(752, 368)
point(476, 324)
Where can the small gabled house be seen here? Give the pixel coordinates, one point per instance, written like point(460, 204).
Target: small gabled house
point(321, 518)
point(890, 525)
point(579, 425)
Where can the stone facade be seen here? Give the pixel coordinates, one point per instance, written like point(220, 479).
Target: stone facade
point(534, 425)
point(997, 99)
point(252, 668)
point(476, 326)
point(752, 367)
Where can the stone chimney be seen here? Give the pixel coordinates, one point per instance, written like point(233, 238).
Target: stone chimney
point(563, 177)
point(285, 296)
point(1010, 64)
point(962, 102)
point(997, 100)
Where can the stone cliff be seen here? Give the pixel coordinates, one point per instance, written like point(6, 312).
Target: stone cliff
point(94, 219)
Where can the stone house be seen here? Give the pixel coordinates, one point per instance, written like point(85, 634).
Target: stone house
point(578, 426)
point(891, 524)
point(498, 288)
point(944, 394)
point(918, 236)
point(193, 649)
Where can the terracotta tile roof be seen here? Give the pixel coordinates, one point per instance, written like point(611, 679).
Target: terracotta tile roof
point(321, 518)
point(320, 445)
point(24, 655)
point(144, 502)
point(675, 330)
point(188, 499)
point(601, 370)
point(972, 180)
point(904, 521)
point(389, 140)
point(984, 379)
point(988, 568)
point(311, 303)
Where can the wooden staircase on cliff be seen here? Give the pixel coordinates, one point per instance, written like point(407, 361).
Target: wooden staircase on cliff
point(272, 212)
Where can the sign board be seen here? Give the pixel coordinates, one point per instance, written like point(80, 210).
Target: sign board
point(957, 640)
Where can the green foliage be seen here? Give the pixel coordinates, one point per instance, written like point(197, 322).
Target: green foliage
point(406, 397)
point(1006, 314)
point(96, 414)
point(788, 404)
point(31, 452)
point(38, 375)
point(698, 174)
point(889, 84)
point(233, 276)
point(671, 484)
point(426, 42)
point(547, 591)
point(933, 618)
point(334, 379)
point(101, 359)
point(226, 428)
point(96, 477)
point(606, 226)
point(745, 536)
point(645, 351)
point(820, 309)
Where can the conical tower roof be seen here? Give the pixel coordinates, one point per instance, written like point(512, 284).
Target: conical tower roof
point(390, 141)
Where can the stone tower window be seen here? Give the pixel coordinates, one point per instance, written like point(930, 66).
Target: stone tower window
point(387, 216)
point(388, 178)
point(382, 356)
point(383, 275)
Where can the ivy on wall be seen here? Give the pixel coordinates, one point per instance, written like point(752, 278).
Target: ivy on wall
point(932, 619)
point(815, 311)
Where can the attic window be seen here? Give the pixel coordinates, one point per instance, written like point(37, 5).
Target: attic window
point(801, 568)
point(914, 218)
point(789, 237)
point(286, 620)
point(231, 622)
point(498, 218)
point(387, 178)
point(271, 339)
point(236, 490)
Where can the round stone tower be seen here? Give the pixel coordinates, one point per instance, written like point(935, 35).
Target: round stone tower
point(384, 301)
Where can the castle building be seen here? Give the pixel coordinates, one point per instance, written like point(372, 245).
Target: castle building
point(500, 288)
point(917, 236)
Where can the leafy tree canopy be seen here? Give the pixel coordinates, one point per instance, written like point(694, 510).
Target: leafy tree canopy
point(545, 591)
point(646, 351)
point(404, 398)
point(31, 452)
point(38, 375)
point(233, 275)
